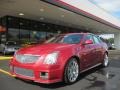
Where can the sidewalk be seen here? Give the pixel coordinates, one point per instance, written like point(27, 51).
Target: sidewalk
point(114, 54)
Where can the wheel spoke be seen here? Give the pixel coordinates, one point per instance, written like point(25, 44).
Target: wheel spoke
point(73, 71)
point(106, 60)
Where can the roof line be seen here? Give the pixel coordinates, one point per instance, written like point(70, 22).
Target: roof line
point(68, 7)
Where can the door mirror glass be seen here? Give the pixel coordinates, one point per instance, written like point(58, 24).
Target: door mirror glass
point(88, 42)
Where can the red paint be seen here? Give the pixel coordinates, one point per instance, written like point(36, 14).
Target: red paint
point(88, 54)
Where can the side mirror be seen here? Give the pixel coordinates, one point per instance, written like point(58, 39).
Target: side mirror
point(88, 42)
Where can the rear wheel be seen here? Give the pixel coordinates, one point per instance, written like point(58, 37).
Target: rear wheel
point(105, 61)
point(71, 72)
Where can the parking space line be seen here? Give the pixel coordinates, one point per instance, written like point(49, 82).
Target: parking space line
point(6, 72)
point(5, 58)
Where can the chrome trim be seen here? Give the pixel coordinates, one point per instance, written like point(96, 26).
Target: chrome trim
point(30, 55)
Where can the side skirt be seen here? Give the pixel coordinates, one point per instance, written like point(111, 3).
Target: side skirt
point(91, 67)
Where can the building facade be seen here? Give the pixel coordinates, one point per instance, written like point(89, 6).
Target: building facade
point(25, 30)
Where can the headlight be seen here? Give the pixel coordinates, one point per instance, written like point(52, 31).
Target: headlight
point(51, 58)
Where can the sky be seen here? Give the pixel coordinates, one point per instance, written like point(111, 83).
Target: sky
point(111, 6)
point(107, 36)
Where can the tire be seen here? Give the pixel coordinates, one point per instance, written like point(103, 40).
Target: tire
point(71, 71)
point(105, 62)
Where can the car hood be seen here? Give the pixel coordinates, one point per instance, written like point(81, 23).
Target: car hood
point(44, 48)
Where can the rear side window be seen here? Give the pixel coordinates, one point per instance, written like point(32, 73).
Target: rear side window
point(100, 40)
point(96, 40)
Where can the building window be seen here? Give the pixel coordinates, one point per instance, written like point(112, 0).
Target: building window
point(13, 34)
point(37, 36)
point(24, 36)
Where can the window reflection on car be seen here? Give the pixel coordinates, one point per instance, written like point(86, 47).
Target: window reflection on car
point(69, 39)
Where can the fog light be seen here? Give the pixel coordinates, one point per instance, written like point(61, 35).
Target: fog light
point(44, 75)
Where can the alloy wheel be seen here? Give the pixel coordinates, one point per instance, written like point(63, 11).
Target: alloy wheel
point(72, 71)
point(106, 60)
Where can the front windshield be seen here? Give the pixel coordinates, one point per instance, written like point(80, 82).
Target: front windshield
point(69, 39)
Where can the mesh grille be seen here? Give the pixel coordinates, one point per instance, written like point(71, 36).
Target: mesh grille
point(26, 58)
point(24, 72)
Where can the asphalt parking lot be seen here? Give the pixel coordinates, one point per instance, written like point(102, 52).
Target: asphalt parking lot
point(96, 79)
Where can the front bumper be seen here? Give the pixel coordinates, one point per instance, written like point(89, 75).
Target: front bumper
point(33, 72)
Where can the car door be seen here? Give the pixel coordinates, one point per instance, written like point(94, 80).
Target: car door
point(88, 53)
point(98, 49)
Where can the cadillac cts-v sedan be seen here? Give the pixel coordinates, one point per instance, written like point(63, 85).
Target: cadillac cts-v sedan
point(61, 58)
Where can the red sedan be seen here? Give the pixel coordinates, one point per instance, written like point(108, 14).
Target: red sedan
point(61, 58)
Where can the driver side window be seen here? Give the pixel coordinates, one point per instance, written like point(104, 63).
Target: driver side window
point(89, 37)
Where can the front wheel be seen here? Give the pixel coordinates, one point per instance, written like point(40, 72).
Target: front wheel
point(105, 61)
point(71, 72)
